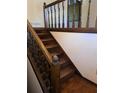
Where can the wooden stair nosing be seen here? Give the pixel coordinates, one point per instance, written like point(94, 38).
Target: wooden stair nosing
point(48, 39)
point(56, 53)
point(51, 46)
point(40, 34)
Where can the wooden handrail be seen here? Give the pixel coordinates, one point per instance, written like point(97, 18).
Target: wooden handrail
point(52, 66)
point(40, 43)
point(53, 3)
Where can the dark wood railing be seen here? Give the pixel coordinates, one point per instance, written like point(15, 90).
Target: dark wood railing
point(77, 30)
point(46, 67)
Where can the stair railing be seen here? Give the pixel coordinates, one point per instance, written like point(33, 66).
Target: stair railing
point(46, 67)
point(56, 11)
point(58, 7)
point(50, 20)
point(60, 10)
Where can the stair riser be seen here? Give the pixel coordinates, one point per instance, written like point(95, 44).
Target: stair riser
point(49, 42)
point(56, 49)
point(39, 31)
point(45, 36)
point(67, 77)
point(64, 65)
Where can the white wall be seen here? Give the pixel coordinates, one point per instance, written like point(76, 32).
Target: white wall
point(32, 82)
point(82, 50)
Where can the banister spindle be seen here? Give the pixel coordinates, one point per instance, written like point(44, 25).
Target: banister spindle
point(48, 17)
point(55, 15)
point(79, 18)
point(63, 14)
point(51, 16)
point(88, 16)
point(68, 7)
point(58, 16)
point(45, 21)
point(73, 20)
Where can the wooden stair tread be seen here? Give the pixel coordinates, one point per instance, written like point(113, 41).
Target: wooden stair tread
point(66, 72)
point(51, 46)
point(47, 39)
point(56, 53)
point(42, 34)
point(63, 61)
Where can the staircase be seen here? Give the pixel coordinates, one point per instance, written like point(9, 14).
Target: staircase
point(54, 70)
point(67, 70)
point(70, 79)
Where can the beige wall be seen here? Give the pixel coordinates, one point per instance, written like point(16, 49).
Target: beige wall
point(35, 12)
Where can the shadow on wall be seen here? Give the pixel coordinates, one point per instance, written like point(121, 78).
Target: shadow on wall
point(33, 85)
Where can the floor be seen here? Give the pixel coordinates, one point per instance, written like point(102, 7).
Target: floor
point(76, 84)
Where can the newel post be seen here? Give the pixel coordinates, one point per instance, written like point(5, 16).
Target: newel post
point(55, 75)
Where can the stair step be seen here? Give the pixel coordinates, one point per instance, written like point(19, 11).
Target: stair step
point(66, 73)
point(41, 34)
point(56, 53)
point(64, 62)
point(39, 30)
point(51, 46)
point(47, 39)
